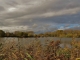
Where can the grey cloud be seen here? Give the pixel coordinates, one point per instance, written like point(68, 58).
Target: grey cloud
point(38, 13)
point(1, 8)
point(39, 9)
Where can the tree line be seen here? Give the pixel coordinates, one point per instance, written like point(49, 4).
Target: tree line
point(16, 34)
point(58, 33)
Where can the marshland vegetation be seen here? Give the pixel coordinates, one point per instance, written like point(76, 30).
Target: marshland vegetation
point(36, 50)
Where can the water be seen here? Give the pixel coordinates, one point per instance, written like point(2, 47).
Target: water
point(24, 41)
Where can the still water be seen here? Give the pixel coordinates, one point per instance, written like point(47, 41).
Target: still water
point(23, 41)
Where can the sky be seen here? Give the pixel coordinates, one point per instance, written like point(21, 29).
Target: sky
point(39, 15)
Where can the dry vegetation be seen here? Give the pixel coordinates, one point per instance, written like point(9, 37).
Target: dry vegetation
point(50, 50)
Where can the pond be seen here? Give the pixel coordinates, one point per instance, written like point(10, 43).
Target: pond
point(26, 41)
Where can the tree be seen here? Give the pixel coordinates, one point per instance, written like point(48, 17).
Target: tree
point(18, 34)
point(2, 33)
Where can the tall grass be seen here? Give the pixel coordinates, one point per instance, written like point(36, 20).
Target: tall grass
point(35, 50)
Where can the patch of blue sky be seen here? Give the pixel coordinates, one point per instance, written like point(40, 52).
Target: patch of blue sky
point(67, 26)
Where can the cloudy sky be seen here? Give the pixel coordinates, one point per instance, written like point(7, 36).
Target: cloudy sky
point(39, 15)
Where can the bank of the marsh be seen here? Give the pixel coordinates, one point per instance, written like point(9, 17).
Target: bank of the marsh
point(39, 48)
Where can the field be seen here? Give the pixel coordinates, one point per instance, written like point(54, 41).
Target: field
point(34, 50)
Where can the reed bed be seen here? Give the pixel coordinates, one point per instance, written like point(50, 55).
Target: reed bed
point(35, 50)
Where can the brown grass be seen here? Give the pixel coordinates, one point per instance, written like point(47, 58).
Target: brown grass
point(51, 50)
